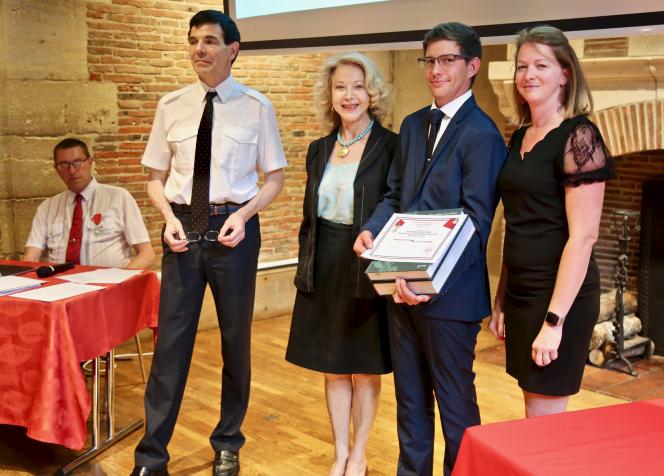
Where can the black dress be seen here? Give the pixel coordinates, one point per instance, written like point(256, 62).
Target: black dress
point(533, 193)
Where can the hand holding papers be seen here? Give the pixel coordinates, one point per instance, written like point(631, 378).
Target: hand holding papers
point(420, 247)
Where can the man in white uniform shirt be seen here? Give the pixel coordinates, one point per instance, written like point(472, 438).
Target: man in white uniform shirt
point(89, 223)
point(207, 142)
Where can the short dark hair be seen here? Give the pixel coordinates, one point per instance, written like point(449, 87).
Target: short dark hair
point(467, 38)
point(463, 35)
point(226, 23)
point(70, 143)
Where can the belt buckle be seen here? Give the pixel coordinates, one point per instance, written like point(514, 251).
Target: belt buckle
point(219, 209)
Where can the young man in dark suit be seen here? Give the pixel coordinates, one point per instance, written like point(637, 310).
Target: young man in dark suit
point(449, 157)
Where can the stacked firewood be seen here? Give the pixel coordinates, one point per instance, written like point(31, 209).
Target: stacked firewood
point(603, 341)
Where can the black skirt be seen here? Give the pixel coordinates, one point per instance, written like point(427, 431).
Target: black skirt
point(331, 331)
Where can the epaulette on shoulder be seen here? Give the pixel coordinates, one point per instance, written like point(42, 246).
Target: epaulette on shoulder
point(256, 95)
point(173, 95)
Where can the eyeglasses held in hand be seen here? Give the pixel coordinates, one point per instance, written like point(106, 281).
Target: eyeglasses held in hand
point(444, 61)
point(194, 236)
point(76, 164)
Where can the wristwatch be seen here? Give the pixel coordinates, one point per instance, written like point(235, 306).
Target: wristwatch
point(553, 319)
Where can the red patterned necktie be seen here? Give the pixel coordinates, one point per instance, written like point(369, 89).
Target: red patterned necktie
point(76, 232)
point(200, 190)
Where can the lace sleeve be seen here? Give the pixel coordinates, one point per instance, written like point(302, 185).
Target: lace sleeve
point(586, 158)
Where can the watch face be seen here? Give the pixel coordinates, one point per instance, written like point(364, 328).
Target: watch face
point(552, 318)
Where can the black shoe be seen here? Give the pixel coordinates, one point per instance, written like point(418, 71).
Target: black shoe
point(226, 463)
point(143, 471)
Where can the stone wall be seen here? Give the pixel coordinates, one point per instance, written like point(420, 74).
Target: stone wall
point(46, 95)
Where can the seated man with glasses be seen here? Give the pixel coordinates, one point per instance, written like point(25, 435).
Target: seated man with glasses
point(89, 223)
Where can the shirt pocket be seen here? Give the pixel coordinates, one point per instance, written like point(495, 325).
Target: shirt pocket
point(239, 151)
point(182, 141)
point(109, 228)
point(55, 236)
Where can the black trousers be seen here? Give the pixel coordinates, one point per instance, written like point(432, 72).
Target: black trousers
point(432, 358)
point(231, 274)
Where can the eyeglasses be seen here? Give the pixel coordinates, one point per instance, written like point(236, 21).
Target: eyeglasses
point(76, 164)
point(194, 236)
point(444, 61)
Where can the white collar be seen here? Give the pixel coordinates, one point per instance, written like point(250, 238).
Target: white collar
point(452, 107)
point(225, 89)
point(87, 192)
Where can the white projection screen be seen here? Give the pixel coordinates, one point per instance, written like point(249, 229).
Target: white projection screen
point(314, 25)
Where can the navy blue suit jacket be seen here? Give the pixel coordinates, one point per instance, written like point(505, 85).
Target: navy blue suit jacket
point(462, 174)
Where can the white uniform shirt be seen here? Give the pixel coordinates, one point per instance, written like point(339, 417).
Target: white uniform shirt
point(112, 224)
point(245, 137)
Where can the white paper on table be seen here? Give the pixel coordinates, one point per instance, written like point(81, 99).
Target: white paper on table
point(415, 238)
point(57, 292)
point(102, 275)
point(12, 284)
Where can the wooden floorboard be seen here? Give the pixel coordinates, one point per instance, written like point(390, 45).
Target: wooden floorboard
point(287, 428)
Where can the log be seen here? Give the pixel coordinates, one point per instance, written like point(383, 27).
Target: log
point(607, 304)
point(604, 331)
point(634, 347)
point(596, 357)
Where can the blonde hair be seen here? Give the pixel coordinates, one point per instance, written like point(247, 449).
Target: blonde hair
point(576, 97)
point(373, 83)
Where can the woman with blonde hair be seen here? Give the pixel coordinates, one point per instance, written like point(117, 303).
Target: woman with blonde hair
point(339, 324)
point(552, 187)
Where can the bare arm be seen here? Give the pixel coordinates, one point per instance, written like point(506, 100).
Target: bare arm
point(274, 182)
point(497, 322)
point(32, 253)
point(583, 205)
point(173, 233)
point(144, 256)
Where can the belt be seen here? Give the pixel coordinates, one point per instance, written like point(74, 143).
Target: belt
point(214, 209)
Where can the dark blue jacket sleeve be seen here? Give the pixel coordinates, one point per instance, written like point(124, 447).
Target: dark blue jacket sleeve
point(391, 201)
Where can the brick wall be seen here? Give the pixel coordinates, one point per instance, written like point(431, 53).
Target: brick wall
point(140, 46)
point(625, 193)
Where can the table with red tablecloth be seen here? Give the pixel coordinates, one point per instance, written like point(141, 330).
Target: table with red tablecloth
point(42, 344)
point(626, 439)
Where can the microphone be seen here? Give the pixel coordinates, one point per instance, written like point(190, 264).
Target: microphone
point(46, 271)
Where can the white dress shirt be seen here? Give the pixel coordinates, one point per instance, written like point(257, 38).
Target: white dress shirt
point(449, 109)
point(245, 137)
point(112, 224)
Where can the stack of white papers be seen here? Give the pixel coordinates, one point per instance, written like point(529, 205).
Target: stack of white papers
point(12, 284)
point(57, 292)
point(102, 276)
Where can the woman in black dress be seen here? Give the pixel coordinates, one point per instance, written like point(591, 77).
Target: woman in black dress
point(552, 187)
point(339, 324)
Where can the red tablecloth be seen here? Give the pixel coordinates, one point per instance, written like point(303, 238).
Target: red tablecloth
point(625, 439)
point(41, 344)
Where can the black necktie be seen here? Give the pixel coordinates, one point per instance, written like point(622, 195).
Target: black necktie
point(435, 118)
point(200, 191)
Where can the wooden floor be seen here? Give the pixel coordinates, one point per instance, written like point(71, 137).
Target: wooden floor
point(287, 427)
